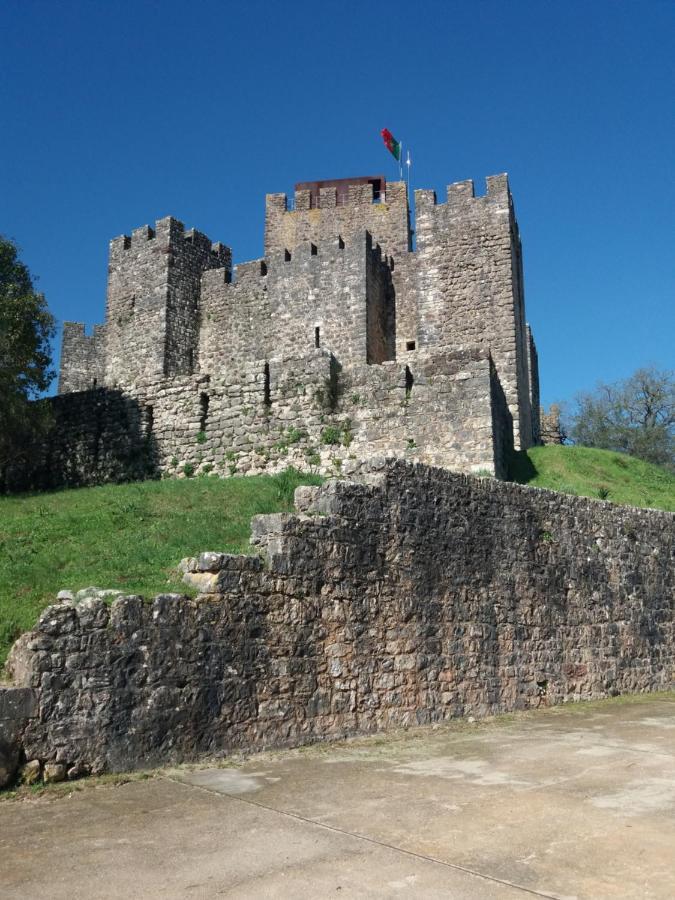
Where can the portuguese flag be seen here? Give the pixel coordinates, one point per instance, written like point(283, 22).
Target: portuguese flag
point(392, 145)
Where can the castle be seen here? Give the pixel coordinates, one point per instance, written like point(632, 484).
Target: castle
point(342, 343)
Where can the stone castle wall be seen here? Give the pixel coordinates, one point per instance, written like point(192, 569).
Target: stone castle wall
point(301, 411)
point(410, 597)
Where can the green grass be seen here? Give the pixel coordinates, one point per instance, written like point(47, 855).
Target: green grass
point(601, 474)
point(125, 536)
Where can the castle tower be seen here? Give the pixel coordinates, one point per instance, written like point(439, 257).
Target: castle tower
point(152, 310)
point(469, 287)
point(328, 210)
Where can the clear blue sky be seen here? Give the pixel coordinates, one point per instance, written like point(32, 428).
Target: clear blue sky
point(116, 114)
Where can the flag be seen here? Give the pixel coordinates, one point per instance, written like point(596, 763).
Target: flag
point(392, 145)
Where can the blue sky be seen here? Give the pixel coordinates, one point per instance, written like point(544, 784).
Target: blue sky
point(116, 114)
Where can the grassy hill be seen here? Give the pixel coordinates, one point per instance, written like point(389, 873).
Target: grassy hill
point(125, 536)
point(596, 473)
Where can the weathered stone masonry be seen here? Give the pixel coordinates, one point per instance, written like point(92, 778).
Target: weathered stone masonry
point(431, 342)
point(408, 597)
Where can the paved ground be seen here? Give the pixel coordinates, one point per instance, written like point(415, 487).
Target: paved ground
point(569, 803)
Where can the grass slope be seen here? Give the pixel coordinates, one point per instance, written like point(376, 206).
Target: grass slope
point(596, 473)
point(126, 536)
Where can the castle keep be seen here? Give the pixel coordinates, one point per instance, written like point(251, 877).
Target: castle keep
point(340, 344)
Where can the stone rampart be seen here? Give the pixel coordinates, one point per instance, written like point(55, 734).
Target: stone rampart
point(303, 411)
point(411, 596)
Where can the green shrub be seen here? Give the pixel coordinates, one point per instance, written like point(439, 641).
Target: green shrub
point(201, 437)
point(331, 434)
point(188, 470)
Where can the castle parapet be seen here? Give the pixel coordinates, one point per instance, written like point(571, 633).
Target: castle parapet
point(340, 208)
point(171, 231)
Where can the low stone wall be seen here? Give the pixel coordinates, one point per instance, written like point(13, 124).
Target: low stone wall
point(408, 597)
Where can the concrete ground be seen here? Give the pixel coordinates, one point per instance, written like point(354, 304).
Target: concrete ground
point(574, 802)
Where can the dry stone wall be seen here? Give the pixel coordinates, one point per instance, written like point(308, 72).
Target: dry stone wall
point(409, 597)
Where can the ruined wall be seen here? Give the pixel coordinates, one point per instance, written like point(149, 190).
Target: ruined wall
point(550, 430)
point(410, 598)
point(469, 284)
point(82, 358)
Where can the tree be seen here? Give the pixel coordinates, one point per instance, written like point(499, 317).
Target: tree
point(26, 327)
point(635, 416)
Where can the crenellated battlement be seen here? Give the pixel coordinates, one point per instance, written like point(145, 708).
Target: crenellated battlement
point(331, 197)
point(460, 193)
point(170, 231)
point(326, 210)
point(312, 255)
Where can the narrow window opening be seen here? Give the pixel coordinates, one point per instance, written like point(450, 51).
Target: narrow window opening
point(409, 381)
point(313, 249)
point(94, 383)
point(287, 256)
point(263, 267)
point(191, 361)
point(149, 415)
point(203, 411)
point(98, 434)
point(410, 345)
point(341, 243)
point(317, 337)
point(127, 242)
point(133, 303)
point(267, 397)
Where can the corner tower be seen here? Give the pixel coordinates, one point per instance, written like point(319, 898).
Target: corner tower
point(470, 287)
point(152, 309)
